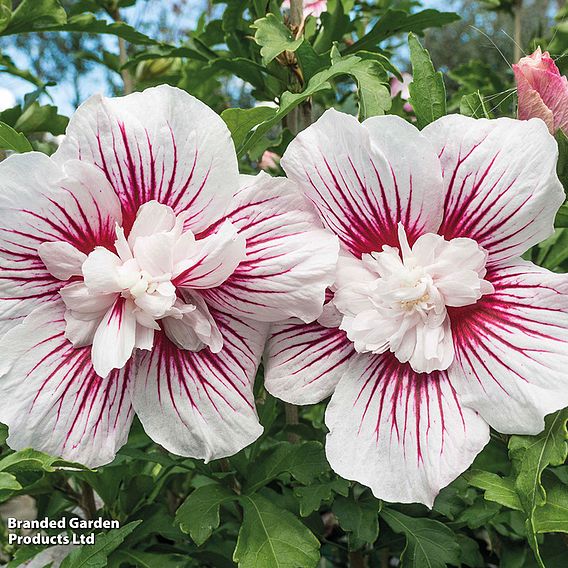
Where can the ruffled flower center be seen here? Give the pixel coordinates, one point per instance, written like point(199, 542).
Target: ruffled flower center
point(400, 304)
point(153, 280)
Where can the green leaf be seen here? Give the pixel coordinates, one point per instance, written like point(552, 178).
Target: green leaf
point(562, 216)
point(358, 518)
point(5, 14)
point(32, 460)
point(429, 543)
point(41, 118)
point(199, 514)
point(49, 15)
point(334, 23)
point(371, 78)
point(241, 121)
point(274, 37)
point(8, 484)
point(12, 140)
point(352, 66)
point(35, 15)
point(530, 456)
point(150, 559)
point(304, 462)
point(498, 489)
point(271, 537)
point(553, 515)
point(312, 496)
point(562, 166)
point(393, 22)
point(96, 556)
point(427, 91)
point(470, 554)
point(88, 23)
point(474, 105)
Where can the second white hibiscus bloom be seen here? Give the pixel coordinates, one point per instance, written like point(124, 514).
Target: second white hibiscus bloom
point(435, 327)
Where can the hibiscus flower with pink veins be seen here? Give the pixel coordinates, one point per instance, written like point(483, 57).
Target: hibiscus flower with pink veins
point(435, 328)
point(138, 275)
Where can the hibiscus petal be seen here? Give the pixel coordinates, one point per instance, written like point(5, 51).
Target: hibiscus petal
point(41, 203)
point(155, 253)
point(290, 260)
point(512, 348)
point(61, 259)
point(201, 404)
point(212, 259)
point(404, 435)
point(77, 297)
point(151, 218)
point(115, 338)
point(162, 144)
point(500, 182)
point(366, 178)
point(530, 103)
point(52, 399)
point(196, 328)
point(100, 272)
point(304, 362)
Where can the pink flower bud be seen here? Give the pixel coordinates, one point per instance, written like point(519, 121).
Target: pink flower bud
point(269, 161)
point(542, 91)
point(311, 7)
point(401, 87)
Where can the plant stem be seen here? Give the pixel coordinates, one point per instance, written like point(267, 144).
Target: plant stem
point(127, 80)
point(357, 559)
point(291, 412)
point(88, 500)
point(301, 116)
point(296, 14)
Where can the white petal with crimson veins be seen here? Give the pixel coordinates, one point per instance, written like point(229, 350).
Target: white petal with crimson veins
point(366, 178)
point(290, 259)
point(512, 348)
point(61, 259)
point(500, 182)
point(404, 435)
point(115, 338)
point(161, 144)
point(304, 362)
point(51, 398)
point(201, 404)
point(41, 202)
point(211, 260)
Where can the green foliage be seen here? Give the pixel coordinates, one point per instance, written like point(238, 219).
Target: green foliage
point(312, 496)
point(498, 489)
point(373, 97)
point(359, 518)
point(274, 37)
point(96, 556)
point(474, 105)
point(199, 515)
point(12, 140)
point(35, 15)
point(270, 536)
point(429, 543)
point(397, 21)
point(303, 462)
point(427, 91)
point(530, 456)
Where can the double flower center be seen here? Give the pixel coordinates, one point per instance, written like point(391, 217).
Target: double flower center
point(399, 302)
